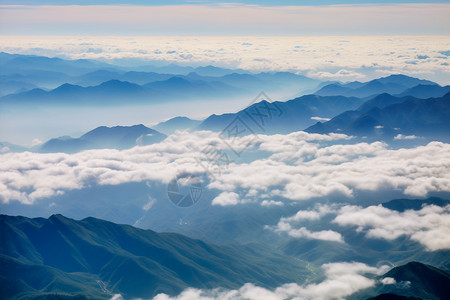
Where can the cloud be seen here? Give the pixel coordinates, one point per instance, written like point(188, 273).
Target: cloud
point(324, 235)
point(429, 226)
point(226, 198)
point(295, 166)
point(341, 280)
point(388, 281)
point(36, 142)
point(362, 58)
point(320, 119)
point(289, 225)
point(342, 74)
point(405, 137)
point(271, 203)
point(300, 170)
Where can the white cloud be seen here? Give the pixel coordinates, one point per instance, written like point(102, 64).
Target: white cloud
point(297, 166)
point(429, 226)
point(226, 198)
point(320, 119)
point(324, 235)
point(388, 281)
point(288, 225)
point(271, 203)
point(4, 149)
point(300, 170)
point(342, 74)
point(36, 142)
point(341, 280)
point(149, 204)
point(405, 137)
point(362, 58)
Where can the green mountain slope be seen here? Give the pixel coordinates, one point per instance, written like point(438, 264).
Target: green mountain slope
point(96, 258)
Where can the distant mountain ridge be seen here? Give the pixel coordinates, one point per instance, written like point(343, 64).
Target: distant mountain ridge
point(393, 84)
point(283, 117)
point(118, 137)
point(407, 116)
point(178, 123)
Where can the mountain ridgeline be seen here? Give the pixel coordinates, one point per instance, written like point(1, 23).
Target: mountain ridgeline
point(95, 259)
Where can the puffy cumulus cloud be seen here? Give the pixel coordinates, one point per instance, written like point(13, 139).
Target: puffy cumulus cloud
point(429, 226)
point(315, 214)
point(388, 281)
point(289, 225)
point(405, 137)
point(324, 235)
point(341, 280)
point(271, 203)
point(29, 176)
point(226, 198)
point(299, 170)
point(296, 166)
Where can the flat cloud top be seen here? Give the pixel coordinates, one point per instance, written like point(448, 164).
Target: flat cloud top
point(342, 58)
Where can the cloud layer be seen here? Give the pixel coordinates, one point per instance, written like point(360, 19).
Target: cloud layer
point(323, 57)
point(429, 226)
point(341, 280)
point(296, 166)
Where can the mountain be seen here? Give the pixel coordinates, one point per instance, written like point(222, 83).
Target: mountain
point(401, 205)
point(425, 91)
point(216, 71)
point(93, 258)
point(416, 279)
point(118, 137)
point(11, 86)
point(113, 91)
point(8, 147)
point(116, 92)
point(100, 76)
point(411, 117)
point(178, 123)
point(23, 64)
point(393, 84)
point(282, 117)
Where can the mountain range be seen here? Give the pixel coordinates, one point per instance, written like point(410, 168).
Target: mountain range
point(63, 258)
point(395, 116)
point(118, 137)
point(414, 281)
point(393, 84)
point(27, 78)
point(93, 258)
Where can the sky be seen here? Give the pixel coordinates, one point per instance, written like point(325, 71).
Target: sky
point(189, 18)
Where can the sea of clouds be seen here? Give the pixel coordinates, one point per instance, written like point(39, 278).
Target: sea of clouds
point(344, 58)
